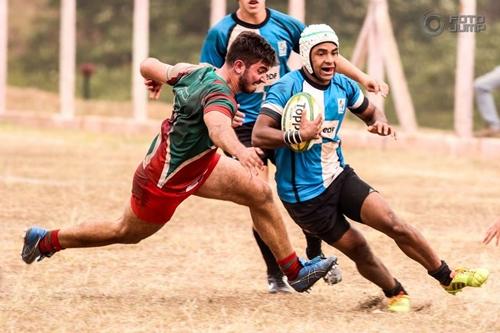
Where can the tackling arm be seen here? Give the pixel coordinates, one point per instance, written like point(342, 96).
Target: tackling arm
point(223, 136)
point(221, 132)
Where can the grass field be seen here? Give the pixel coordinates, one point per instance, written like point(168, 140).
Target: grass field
point(202, 272)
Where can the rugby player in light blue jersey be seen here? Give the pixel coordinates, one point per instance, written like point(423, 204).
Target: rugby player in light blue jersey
point(319, 190)
point(283, 33)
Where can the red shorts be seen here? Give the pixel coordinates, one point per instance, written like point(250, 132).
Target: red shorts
point(153, 204)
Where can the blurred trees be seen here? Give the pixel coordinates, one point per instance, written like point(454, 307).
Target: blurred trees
point(177, 29)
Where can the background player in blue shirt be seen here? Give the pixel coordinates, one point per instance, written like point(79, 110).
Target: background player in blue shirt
point(283, 33)
point(319, 190)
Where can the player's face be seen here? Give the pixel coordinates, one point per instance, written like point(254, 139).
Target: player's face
point(253, 77)
point(252, 7)
point(323, 58)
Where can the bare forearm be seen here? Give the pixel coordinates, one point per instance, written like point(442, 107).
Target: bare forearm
point(268, 138)
point(345, 67)
point(372, 114)
point(265, 136)
point(225, 138)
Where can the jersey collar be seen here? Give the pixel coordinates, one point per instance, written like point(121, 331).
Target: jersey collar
point(249, 25)
point(314, 84)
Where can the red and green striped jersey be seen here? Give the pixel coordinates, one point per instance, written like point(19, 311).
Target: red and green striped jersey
point(185, 134)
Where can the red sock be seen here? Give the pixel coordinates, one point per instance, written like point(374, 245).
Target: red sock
point(50, 243)
point(290, 266)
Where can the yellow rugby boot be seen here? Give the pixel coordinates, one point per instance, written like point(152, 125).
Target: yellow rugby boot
point(465, 277)
point(399, 303)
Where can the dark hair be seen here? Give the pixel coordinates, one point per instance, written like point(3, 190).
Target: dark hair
point(251, 48)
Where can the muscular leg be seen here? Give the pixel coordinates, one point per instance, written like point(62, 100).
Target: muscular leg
point(230, 181)
point(354, 245)
point(271, 265)
point(376, 213)
point(127, 229)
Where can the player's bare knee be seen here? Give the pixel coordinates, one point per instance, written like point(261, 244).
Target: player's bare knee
point(399, 230)
point(391, 225)
point(125, 234)
point(261, 194)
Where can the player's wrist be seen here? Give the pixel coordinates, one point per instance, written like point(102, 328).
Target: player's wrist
point(292, 137)
point(240, 151)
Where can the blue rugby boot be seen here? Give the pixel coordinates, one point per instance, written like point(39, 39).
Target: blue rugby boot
point(32, 239)
point(312, 271)
point(334, 275)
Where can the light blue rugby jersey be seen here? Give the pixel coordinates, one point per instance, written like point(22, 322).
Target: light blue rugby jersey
point(301, 176)
point(280, 30)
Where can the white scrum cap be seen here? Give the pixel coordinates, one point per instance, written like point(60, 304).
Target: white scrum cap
point(313, 35)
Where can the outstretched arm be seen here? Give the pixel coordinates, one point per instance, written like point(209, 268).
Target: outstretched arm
point(157, 73)
point(375, 119)
point(345, 67)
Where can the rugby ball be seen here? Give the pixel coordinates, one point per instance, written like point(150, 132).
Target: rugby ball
point(298, 105)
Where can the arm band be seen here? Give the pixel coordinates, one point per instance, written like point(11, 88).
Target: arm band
point(292, 137)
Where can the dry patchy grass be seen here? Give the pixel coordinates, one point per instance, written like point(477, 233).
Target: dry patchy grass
point(202, 272)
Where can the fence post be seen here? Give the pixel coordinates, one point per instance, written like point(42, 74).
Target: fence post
point(140, 50)
point(464, 75)
point(67, 60)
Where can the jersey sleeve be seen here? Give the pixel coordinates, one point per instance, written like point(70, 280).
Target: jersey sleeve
point(179, 70)
point(356, 100)
point(292, 26)
point(217, 99)
point(214, 48)
point(276, 99)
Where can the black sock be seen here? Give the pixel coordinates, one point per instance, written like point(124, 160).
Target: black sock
point(398, 289)
point(272, 267)
point(313, 248)
point(442, 274)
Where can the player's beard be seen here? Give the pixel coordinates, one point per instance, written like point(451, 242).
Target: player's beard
point(244, 84)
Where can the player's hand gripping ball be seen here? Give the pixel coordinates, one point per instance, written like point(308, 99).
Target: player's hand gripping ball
point(298, 105)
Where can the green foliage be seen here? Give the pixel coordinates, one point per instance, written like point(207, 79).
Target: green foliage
point(177, 29)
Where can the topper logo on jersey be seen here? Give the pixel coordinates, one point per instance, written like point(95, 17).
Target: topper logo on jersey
point(297, 115)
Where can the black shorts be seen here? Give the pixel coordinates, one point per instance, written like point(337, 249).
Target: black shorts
point(325, 215)
point(244, 133)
